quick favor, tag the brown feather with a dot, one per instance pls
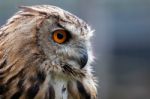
(28, 61)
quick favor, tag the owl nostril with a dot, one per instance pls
(83, 59)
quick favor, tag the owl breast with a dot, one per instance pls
(60, 87)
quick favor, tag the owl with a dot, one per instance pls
(45, 53)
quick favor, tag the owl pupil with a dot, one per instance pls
(60, 36)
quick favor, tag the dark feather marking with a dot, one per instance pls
(20, 84)
(13, 77)
(3, 34)
(3, 63)
(51, 92)
(32, 91)
(41, 76)
(26, 14)
(63, 89)
(67, 69)
(82, 90)
(9, 67)
(44, 13)
(2, 89)
(17, 95)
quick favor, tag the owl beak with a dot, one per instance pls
(83, 59)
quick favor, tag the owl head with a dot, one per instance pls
(60, 39)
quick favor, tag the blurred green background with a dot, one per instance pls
(121, 42)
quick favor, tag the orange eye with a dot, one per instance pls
(60, 36)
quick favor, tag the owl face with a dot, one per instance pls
(62, 38)
(64, 43)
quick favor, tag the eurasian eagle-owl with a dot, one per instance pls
(45, 53)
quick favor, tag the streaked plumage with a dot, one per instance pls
(33, 66)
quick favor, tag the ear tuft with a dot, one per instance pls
(27, 8)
